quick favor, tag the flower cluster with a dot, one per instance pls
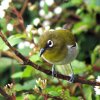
(9, 89)
(45, 16)
(4, 6)
(41, 85)
(23, 44)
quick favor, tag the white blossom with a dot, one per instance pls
(47, 27)
(5, 4)
(42, 13)
(32, 45)
(21, 45)
(97, 88)
(2, 13)
(27, 44)
(10, 27)
(29, 28)
(49, 15)
(57, 28)
(42, 2)
(36, 21)
(58, 10)
(40, 31)
(46, 23)
(49, 2)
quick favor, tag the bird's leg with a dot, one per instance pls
(53, 71)
(72, 75)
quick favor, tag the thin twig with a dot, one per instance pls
(26, 61)
(20, 18)
(24, 7)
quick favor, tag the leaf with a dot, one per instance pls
(17, 75)
(97, 97)
(27, 72)
(18, 87)
(95, 56)
(45, 8)
(36, 39)
(80, 27)
(93, 4)
(13, 40)
(25, 51)
(87, 92)
(54, 91)
(29, 85)
(35, 57)
(78, 66)
(6, 62)
(76, 2)
(26, 86)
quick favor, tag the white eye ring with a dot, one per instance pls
(50, 43)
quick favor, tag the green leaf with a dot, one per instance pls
(36, 39)
(78, 66)
(80, 27)
(97, 97)
(17, 75)
(26, 86)
(27, 72)
(76, 2)
(95, 56)
(87, 92)
(45, 8)
(93, 4)
(13, 40)
(29, 85)
(54, 91)
(18, 87)
(35, 57)
(25, 51)
(6, 62)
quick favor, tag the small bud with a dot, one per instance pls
(9, 89)
(41, 83)
(36, 89)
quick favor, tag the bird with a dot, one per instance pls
(58, 47)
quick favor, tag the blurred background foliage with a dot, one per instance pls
(23, 21)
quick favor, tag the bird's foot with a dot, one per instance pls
(72, 78)
(54, 73)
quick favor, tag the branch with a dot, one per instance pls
(24, 7)
(26, 61)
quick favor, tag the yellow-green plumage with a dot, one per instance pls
(59, 52)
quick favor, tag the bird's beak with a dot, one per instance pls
(42, 51)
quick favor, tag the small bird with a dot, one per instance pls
(58, 47)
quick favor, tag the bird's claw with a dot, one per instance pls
(53, 71)
(72, 78)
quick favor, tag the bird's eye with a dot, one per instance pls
(50, 43)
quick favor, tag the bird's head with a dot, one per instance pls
(52, 46)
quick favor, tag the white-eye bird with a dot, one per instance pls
(58, 47)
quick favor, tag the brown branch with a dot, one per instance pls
(20, 19)
(24, 7)
(26, 61)
(11, 55)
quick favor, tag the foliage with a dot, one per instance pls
(23, 22)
